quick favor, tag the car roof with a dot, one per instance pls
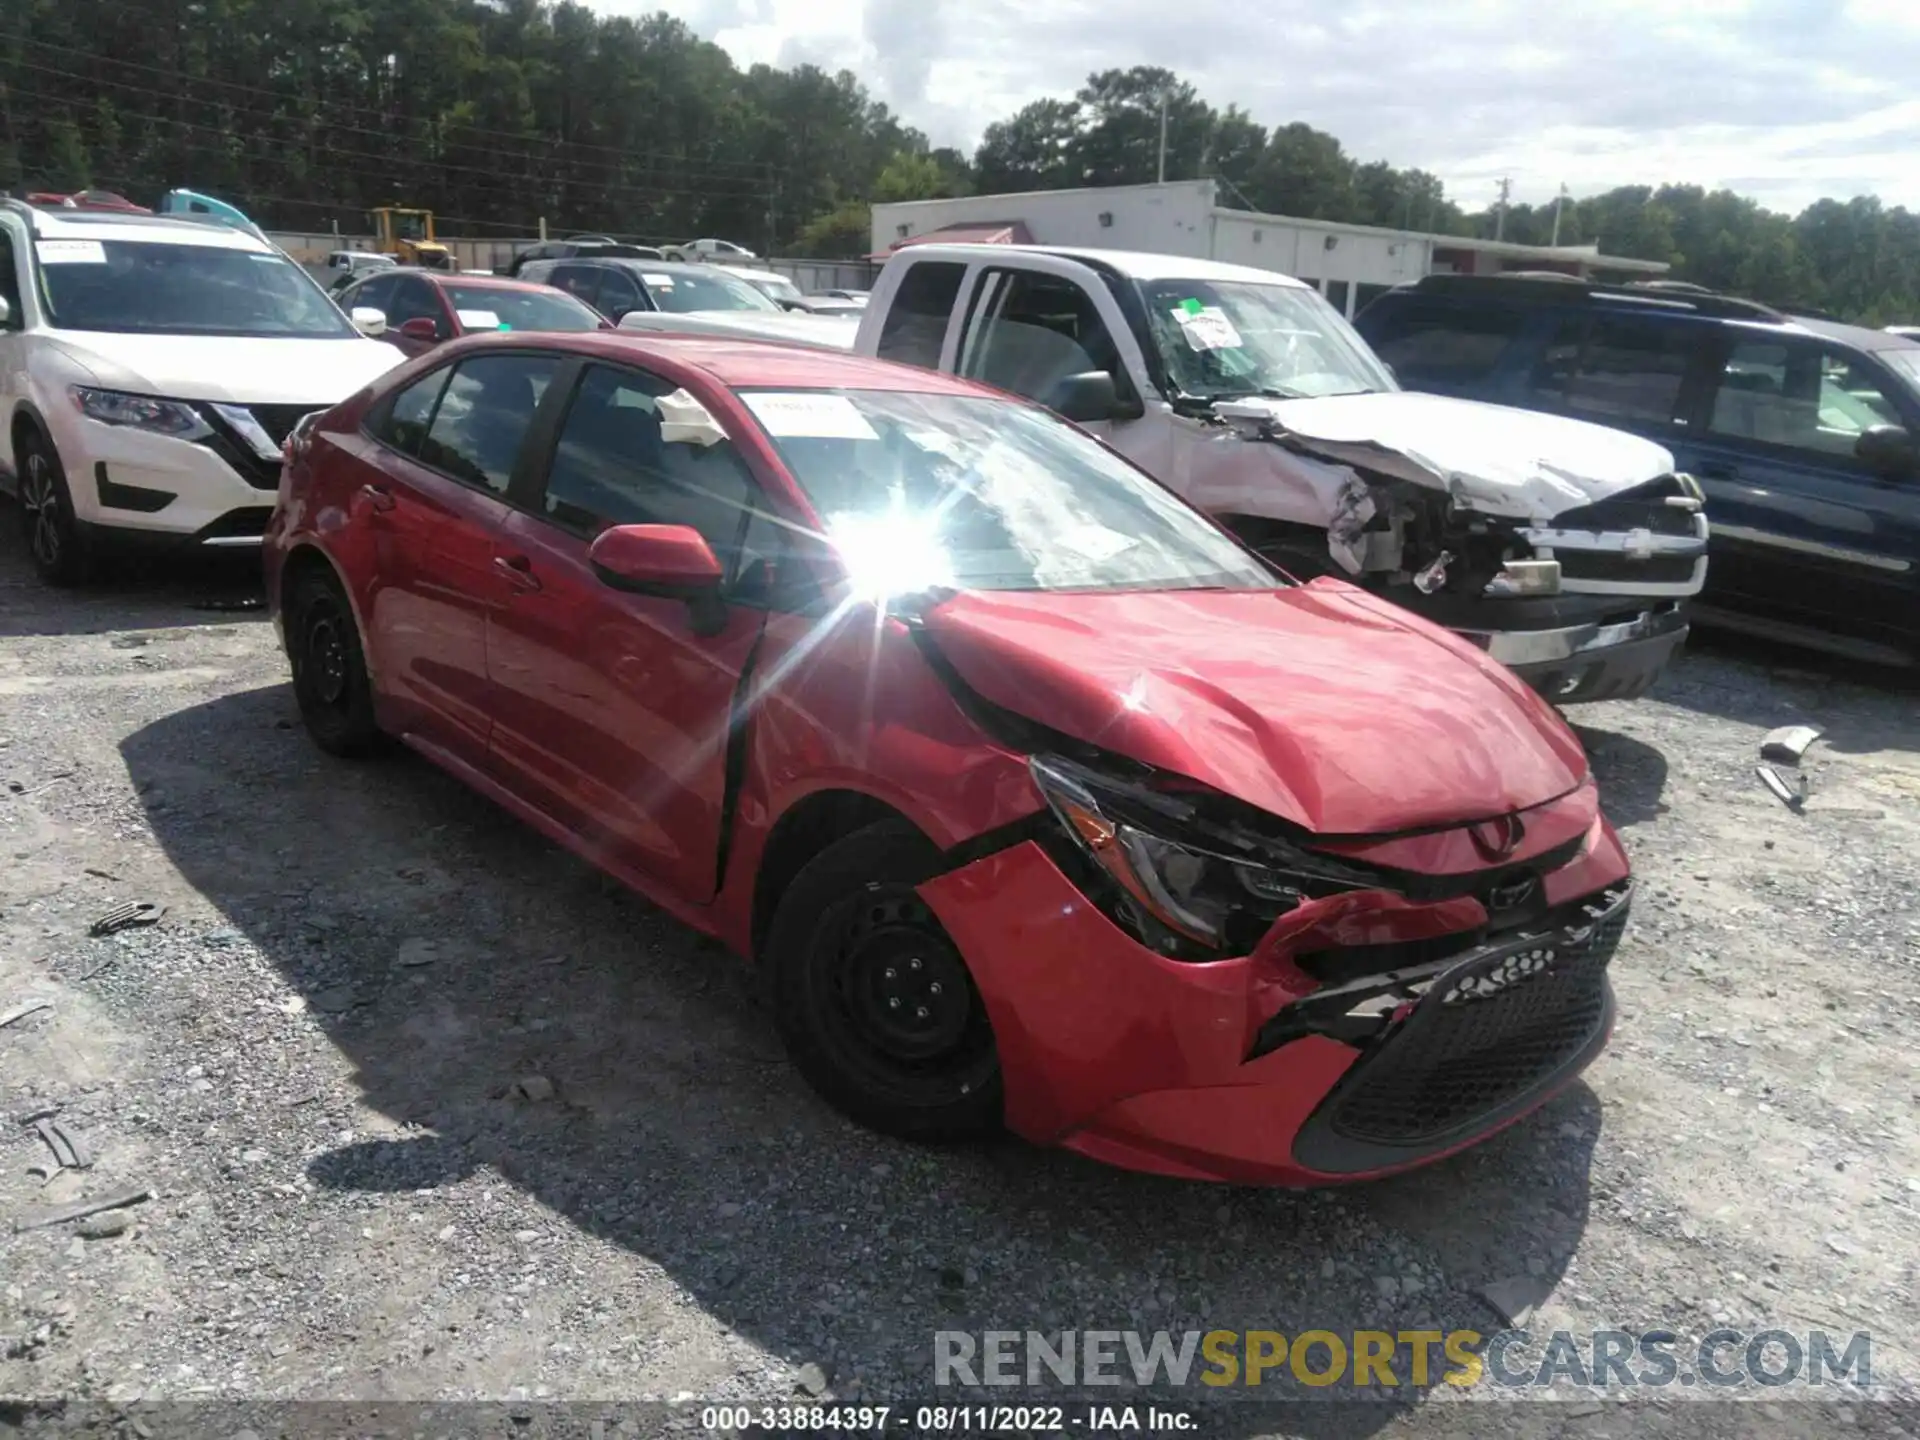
(652, 267)
(1860, 336)
(483, 281)
(1135, 264)
(751, 364)
(142, 229)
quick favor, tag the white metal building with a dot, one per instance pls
(1349, 263)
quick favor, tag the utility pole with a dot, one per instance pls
(1500, 213)
(1558, 201)
(1161, 174)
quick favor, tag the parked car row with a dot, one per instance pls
(1042, 800)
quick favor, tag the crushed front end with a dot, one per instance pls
(1182, 984)
(1577, 582)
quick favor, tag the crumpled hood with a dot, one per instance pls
(1491, 458)
(1321, 704)
(795, 327)
(232, 369)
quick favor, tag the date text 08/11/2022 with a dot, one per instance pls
(947, 1419)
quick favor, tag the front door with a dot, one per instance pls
(447, 450)
(612, 710)
(1804, 532)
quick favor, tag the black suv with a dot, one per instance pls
(577, 245)
(1802, 432)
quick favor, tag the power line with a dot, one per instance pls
(533, 162)
(604, 187)
(761, 168)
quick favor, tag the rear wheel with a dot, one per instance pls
(873, 998)
(47, 521)
(330, 679)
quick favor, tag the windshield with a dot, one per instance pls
(1904, 361)
(521, 309)
(924, 493)
(145, 288)
(778, 286)
(685, 291)
(1222, 339)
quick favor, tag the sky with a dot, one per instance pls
(1784, 100)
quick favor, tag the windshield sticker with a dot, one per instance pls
(809, 416)
(659, 282)
(1096, 542)
(71, 252)
(1206, 327)
(685, 421)
(479, 320)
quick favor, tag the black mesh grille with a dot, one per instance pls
(1486, 1033)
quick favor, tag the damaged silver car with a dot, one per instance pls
(1565, 550)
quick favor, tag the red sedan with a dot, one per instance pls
(1042, 801)
(418, 309)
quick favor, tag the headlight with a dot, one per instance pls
(141, 412)
(1213, 887)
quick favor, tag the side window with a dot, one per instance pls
(916, 323)
(414, 300)
(611, 467)
(618, 293)
(580, 281)
(404, 425)
(484, 415)
(1632, 369)
(1799, 395)
(376, 294)
(10, 283)
(1035, 332)
(1430, 344)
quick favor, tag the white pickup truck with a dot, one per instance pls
(1566, 550)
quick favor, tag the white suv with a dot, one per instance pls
(150, 367)
(716, 252)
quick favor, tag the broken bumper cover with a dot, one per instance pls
(1154, 1064)
(1611, 660)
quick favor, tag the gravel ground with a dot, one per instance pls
(430, 1110)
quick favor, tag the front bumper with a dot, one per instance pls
(1153, 1064)
(1615, 660)
(136, 490)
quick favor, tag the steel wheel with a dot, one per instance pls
(873, 998)
(330, 679)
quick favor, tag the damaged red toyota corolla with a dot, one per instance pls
(1042, 801)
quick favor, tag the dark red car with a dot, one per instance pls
(419, 309)
(1042, 801)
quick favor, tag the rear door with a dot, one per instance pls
(1804, 532)
(447, 448)
(613, 710)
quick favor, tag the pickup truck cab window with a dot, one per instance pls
(1030, 330)
(916, 323)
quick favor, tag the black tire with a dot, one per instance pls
(872, 997)
(330, 679)
(47, 522)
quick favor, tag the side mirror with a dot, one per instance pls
(1084, 398)
(368, 321)
(421, 328)
(793, 305)
(606, 324)
(1888, 450)
(670, 560)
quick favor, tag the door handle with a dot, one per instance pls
(378, 496)
(519, 571)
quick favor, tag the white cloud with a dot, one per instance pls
(1786, 100)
